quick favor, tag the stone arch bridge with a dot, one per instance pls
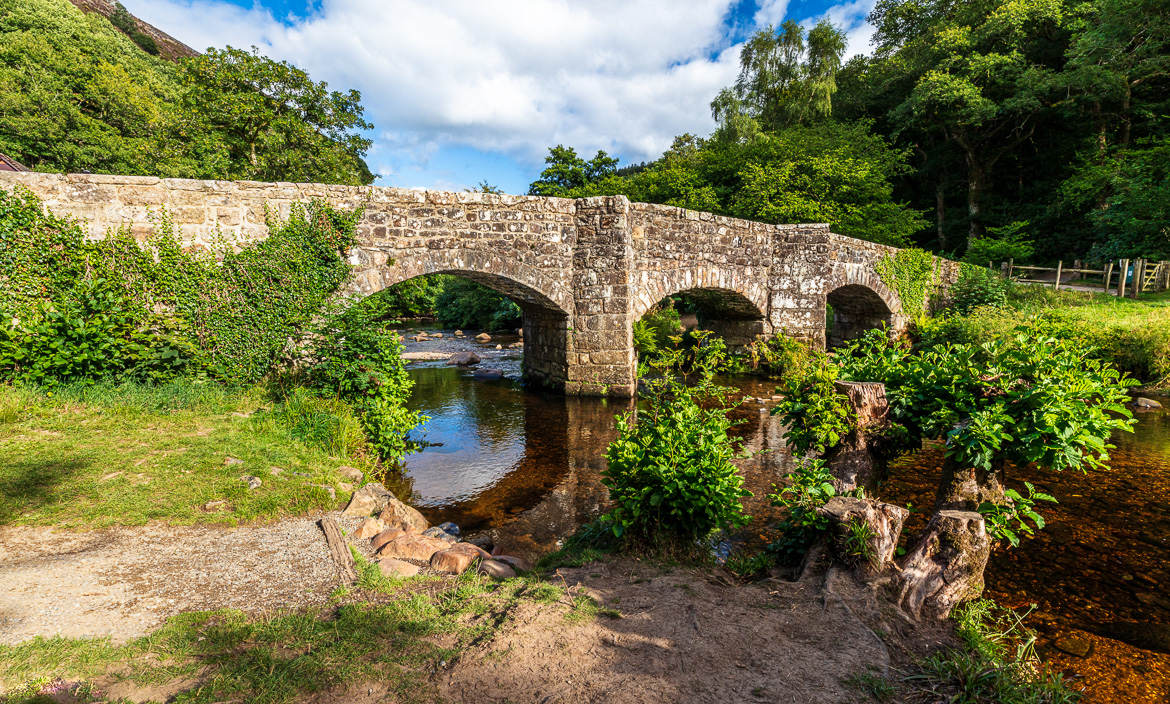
(583, 271)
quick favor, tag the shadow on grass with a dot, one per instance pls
(31, 485)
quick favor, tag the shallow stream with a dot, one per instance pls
(524, 466)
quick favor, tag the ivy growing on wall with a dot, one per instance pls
(239, 310)
(911, 274)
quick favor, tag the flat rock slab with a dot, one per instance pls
(124, 582)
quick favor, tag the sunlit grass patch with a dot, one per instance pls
(101, 455)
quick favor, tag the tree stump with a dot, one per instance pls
(945, 566)
(965, 489)
(864, 533)
(858, 461)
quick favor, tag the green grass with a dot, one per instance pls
(229, 657)
(102, 455)
(1134, 335)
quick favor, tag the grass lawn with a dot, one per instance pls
(88, 457)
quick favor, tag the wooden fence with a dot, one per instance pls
(1126, 276)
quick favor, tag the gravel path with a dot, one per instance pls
(124, 582)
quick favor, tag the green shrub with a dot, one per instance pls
(1001, 244)
(670, 474)
(811, 488)
(817, 415)
(654, 330)
(465, 304)
(979, 287)
(319, 421)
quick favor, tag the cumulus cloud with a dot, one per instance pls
(508, 76)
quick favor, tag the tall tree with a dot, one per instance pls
(565, 172)
(277, 123)
(787, 77)
(977, 75)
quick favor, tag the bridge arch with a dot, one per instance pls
(860, 301)
(546, 320)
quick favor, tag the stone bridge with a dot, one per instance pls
(583, 271)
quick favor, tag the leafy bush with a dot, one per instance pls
(653, 331)
(1002, 244)
(811, 488)
(669, 472)
(817, 415)
(465, 304)
(1018, 508)
(977, 287)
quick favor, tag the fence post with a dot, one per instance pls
(1121, 282)
(1108, 276)
(1163, 281)
(1139, 277)
(1011, 265)
(1059, 265)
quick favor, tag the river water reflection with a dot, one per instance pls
(524, 467)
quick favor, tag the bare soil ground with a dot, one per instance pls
(674, 635)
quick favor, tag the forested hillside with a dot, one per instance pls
(77, 94)
(1038, 122)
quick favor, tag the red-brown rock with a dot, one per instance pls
(457, 558)
(412, 546)
(384, 536)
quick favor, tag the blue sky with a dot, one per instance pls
(462, 91)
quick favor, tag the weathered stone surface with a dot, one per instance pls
(457, 558)
(392, 568)
(518, 563)
(251, 481)
(351, 473)
(582, 271)
(483, 337)
(384, 536)
(1143, 402)
(232, 460)
(412, 546)
(492, 568)
(489, 374)
(449, 527)
(368, 529)
(463, 359)
(441, 534)
(398, 515)
(361, 503)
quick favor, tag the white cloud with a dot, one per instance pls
(513, 76)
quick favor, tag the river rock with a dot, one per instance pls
(351, 473)
(436, 334)
(1074, 644)
(384, 536)
(368, 529)
(458, 333)
(412, 546)
(516, 346)
(1143, 402)
(457, 558)
(252, 482)
(437, 532)
(483, 337)
(499, 347)
(449, 527)
(392, 568)
(371, 498)
(398, 515)
(518, 563)
(464, 359)
(495, 569)
(488, 374)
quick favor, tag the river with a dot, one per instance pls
(524, 466)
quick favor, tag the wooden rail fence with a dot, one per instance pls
(1127, 276)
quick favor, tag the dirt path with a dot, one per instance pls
(124, 582)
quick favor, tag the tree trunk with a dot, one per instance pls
(870, 548)
(858, 460)
(1126, 119)
(940, 212)
(964, 489)
(976, 180)
(945, 566)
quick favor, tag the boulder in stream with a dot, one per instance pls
(466, 358)
(1143, 402)
(489, 374)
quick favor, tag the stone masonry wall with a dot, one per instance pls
(581, 270)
